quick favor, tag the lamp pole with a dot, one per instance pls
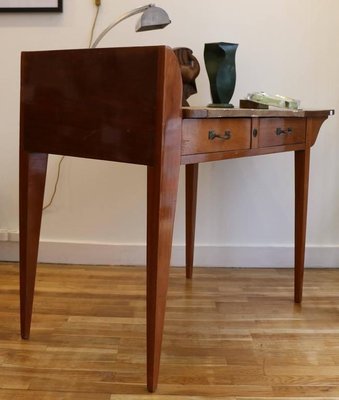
(120, 19)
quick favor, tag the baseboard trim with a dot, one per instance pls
(205, 255)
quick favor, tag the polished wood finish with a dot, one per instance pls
(209, 112)
(96, 104)
(196, 139)
(162, 187)
(191, 210)
(230, 334)
(305, 125)
(243, 103)
(281, 131)
(224, 155)
(197, 122)
(78, 103)
(302, 165)
(277, 131)
(33, 168)
(93, 104)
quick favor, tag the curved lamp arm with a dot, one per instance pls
(120, 19)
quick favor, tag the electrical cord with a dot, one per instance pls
(56, 184)
(98, 4)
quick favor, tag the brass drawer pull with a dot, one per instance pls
(212, 135)
(280, 131)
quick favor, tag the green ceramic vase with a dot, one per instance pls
(220, 66)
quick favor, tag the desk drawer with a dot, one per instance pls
(281, 131)
(214, 135)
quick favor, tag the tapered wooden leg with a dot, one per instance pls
(191, 209)
(32, 184)
(161, 201)
(302, 163)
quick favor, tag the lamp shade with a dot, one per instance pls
(152, 18)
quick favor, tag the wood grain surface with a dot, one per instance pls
(229, 333)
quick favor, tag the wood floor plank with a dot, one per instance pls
(49, 395)
(231, 334)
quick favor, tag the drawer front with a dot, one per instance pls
(281, 131)
(215, 135)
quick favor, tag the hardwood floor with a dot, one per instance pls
(229, 333)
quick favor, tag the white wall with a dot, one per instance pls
(245, 209)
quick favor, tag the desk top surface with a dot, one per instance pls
(207, 112)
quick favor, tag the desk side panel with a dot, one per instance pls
(96, 103)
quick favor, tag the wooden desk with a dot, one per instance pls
(125, 105)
